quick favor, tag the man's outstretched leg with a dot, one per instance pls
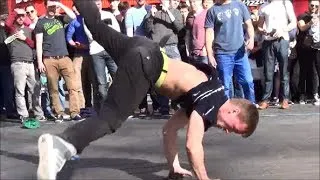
(178, 121)
(129, 87)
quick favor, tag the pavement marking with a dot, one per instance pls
(291, 114)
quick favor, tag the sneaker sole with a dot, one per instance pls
(45, 147)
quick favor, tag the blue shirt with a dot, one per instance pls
(227, 21)
(76, 32)
(134, 19)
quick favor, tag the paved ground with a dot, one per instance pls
(285, 146)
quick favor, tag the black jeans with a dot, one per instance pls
(138, 69)
(272, 51)
(317, 63)
(307, 59)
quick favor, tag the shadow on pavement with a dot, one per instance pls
(139, 168)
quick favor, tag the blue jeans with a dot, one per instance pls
(46, 102)
(100, 88)
(172, 51)
(6, 91)
(238, 65)
(272, 51)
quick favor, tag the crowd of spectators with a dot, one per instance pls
(263, 52)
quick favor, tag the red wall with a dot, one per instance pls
(41, 10)
(300, 6)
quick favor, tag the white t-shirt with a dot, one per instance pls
(95, 47)
(315, 29)
(276, 16)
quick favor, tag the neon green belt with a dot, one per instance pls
(164, 70)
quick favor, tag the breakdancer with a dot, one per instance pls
(143, 65)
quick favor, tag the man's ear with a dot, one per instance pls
(236, 110)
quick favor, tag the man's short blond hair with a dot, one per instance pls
(248, 114)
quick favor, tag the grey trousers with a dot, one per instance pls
(24, 74)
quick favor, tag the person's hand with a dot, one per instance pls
(54, 3)
(20, 36)
(212, 61)
(264, 32)
(41, 67)
(249, 44)
(278, 33)
(165, 8)
(79, 45)
(20, 11)
(153, 10)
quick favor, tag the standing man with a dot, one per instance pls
(22, 64)
(7, 108)
(32, 14)
(77, 38)
(103, 64)
(52, 56)
(134, 19)
(273, 24)
(226, 46)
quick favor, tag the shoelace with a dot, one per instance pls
(60, 160)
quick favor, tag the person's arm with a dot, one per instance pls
(194, 146)
(39, 41)
(9, 22)
(209, 26)
(248, 26)
(303, 26)
(291, 17)
(115, 24)
(129, 23)
(27, 40)
(87, 31)
(176, 20)
(67, 10)
(148, 20)
(261, 24)
(209, 47)
(70, 32)
(250, 32)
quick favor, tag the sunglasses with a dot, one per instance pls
(315, 6)
(29, 12)
(21, 15)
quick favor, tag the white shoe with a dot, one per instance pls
(53, 154)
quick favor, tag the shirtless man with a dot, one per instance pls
(141, 65)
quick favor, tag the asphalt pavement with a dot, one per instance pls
(284, 146)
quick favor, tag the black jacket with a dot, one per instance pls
(4, 58)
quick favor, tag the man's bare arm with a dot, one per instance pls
(250, 31)
(67, 10)
(39, 41)
(260, 25)
(194, 146)
(209, 41)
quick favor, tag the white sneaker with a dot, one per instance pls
(53, 153)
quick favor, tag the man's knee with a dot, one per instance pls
(112, 117)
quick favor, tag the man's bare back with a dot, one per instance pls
(188, 78)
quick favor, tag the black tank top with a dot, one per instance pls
(206, 98)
